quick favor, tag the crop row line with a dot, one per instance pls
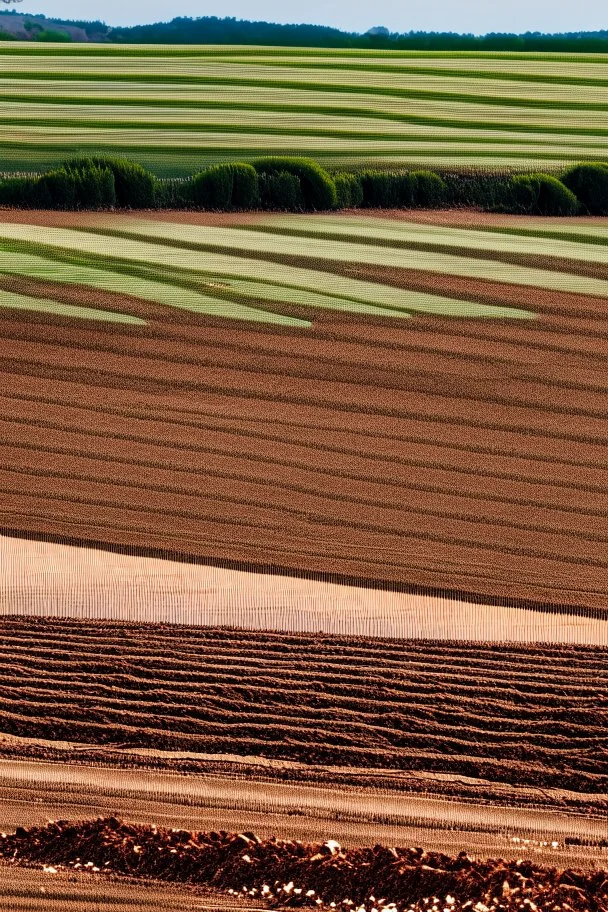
(204, 420)
(267, 343)
(41, 360)
(584, 663)
(198, 674)
(316, 131)
(585, 732)
(320, 516)
(544, 672)
(337, 736)
(251, 478)
(551, 691)
(114, 379)
(394, 376)
(164, 78)
(262, 104)
(220, 641)
(384, 66)
(347, 733)
(286, 741)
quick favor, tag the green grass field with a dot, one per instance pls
(176, 109)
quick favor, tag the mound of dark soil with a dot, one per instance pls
(285, 872)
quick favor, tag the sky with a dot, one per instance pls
(476, 16)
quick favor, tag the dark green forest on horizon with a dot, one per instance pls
(213, 30)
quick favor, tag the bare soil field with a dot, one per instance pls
(444, 455)
(530, 716)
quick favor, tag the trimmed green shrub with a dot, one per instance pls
(233, 185)
(67, 187)
(281, 190)
(430, 190)
(541, 194)
(349, 192)
(95, 185)
(134, 186)
(379, 189)
(212, 188)
(388, 190)
(95, 188)
(317, 187)
(18, 191)
(589, 183)
(406, 189)
(477, 189)
(56, 190)
(245, 186)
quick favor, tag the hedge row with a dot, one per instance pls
(299, 184)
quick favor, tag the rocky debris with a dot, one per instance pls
(292, 873)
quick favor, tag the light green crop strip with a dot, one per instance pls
(222, 266)
(223, 239)
(22, 263)
(369, 230)
(46, 305)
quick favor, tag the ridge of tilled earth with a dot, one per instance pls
(293, 873)
(527, 716)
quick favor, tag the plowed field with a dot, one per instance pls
(528, 716)
(452, 454)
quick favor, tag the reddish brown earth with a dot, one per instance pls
(529, 715)
(455, 455)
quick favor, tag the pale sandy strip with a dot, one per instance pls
(44, 579)
(33, 792)
(29, 889)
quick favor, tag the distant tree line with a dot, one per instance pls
(212, 30)
(229, 30)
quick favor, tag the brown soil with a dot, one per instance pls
(316, 873)
(454, 455)
(331, 701)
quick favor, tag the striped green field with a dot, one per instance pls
(176, 109)
(223, 271)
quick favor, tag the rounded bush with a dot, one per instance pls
(245, 186)
(477, 189)
(281, 190)
(318, 188)
(380, 189)
(406, 189)
(212, 188)
(589, 183)
(57, 190)
(22, 192)
(429, 190)
(542, 194)
(134, 185)
(402, 190)
(95, 186)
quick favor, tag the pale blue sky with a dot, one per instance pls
(477, 16)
